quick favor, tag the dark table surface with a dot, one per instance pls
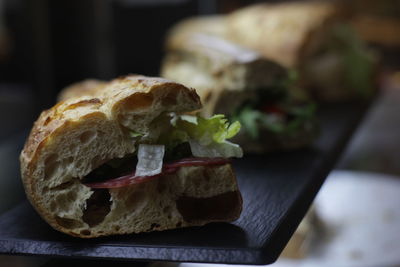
(277, 191)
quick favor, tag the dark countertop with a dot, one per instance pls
(374, 147)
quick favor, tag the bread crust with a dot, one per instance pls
(228, 73)
(99, 101)
(214, 25)
(284, 32)
(297, 35)
(81, 133)
(220, 68)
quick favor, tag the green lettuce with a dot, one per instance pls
(135, 134)
(249, 118)
(214, 129)
(293, 116)
(254, 120)
(207, 136)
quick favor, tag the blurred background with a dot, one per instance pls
(46, 45)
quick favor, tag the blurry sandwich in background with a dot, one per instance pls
(246, 87)
(309, 37)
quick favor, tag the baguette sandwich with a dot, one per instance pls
(126, 158)
(245, 86)
(314, 38)
(311, 37)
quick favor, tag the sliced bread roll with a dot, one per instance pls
(284, 32)
(224, 74)
(80, 134)
(212, 25)
(242, 84)
(313, 37)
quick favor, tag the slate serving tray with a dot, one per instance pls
(277, 190)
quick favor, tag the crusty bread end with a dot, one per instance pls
(81, 133)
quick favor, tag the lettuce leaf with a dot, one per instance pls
(225, 149)
(215, 129)
(249, 118)
(209, 133)
(135, 134)
(254, 120)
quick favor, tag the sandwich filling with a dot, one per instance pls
(279, 110)
(175, 141)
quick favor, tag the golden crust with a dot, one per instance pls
(210, 25)
(49, 125)
(119, 90)
(281, 31)
(132, 87)
(51, 120)
(220, 67)
(104, 104)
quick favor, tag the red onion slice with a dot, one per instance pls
(168, 168)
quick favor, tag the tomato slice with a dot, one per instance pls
(273, 109)
(168, 168)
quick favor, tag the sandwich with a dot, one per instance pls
(245, 86)
(315, 39)
(212, 25)
(129, 158)
(312, 38)
(89, 87)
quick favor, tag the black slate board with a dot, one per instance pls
(277, 190)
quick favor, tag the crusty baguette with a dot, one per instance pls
(299, 35)
(285, 32)
(221, 71)
(294, 34)
(87, 87)
(303, 35)
(226, 76)
(81, 133)
(211, 25)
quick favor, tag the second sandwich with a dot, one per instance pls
(245, 86)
